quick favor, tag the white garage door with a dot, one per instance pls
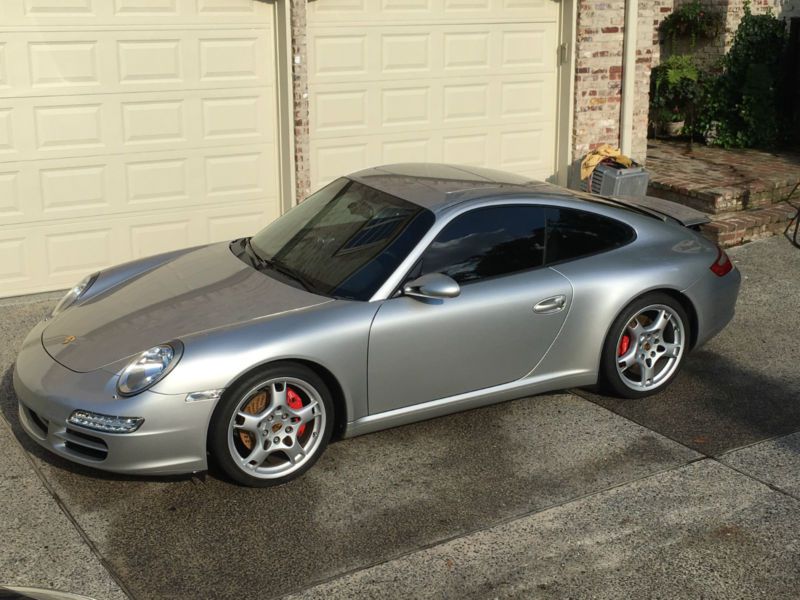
(459, 81)
(130, 127)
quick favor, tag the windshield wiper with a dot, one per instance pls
(289, 272)
(259, 262)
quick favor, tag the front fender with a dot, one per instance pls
(334, 335)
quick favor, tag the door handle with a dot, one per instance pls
(551, 305)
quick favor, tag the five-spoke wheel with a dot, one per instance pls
(645, 346)
(273, 426)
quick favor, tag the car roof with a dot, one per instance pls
(438, 186)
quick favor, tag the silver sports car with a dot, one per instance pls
(392, 295)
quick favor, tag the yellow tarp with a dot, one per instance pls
(596, 156)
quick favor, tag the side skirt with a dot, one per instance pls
(469, 400)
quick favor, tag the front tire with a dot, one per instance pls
(645, 347)
(272, 426)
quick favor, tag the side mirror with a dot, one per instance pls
(432, 285)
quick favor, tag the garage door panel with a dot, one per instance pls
(122, 12)
(524, 150)
(143, 63)
(3, 65)
(407, 106)
(225, 226)
(159, 181)
(528, 99)
(341, 110)
(67, 189)
(50, 127)
(65, 63)
(372, 11)
(408, 150)
(465, 102)
(13, 264)
(378, 108)
(131, 127)
(430, 51)
(56, 255)
(7, 145)
(135, 60)
(471, 149)
(10, 198)
(238, 175)
(531, 48)
(463, 81)
(149, 182)
(403, 52)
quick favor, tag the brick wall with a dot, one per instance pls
(300, 97)
(598, 76)
(598, 73)
(709, 52)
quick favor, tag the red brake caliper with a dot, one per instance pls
(294, 402)
(624, 344)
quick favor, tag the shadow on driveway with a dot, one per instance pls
(715, 405)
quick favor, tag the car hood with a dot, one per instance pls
(204, 289)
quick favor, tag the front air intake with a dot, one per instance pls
(84, 445)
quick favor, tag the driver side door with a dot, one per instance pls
(506, 317)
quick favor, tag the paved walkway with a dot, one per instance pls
(694, 492)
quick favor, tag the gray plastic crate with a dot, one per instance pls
(610, 181)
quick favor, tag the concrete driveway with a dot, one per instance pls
(691, 493)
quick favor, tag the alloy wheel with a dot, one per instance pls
(276, 428)
(650, 347)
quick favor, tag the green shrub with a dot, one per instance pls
(742, 107)
(691, 20)
(673, 90)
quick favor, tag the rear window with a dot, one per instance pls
(574, 233)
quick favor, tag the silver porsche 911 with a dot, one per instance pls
(392, 295)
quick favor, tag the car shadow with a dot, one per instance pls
(714, 405)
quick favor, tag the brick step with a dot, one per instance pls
(718, 200)
(734, 228)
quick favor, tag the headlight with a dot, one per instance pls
(72, 296)
(148, 368)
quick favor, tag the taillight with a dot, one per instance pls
(723, 265)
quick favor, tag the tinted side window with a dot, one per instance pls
(487, 242)
(575, 233)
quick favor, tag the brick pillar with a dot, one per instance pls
(598, 73)
(300, 97)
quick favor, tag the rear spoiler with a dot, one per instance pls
(688, 217)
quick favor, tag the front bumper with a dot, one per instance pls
(171, 440)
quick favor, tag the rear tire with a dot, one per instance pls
(645, 347)
(272, 426)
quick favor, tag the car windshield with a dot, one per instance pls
(344, 240)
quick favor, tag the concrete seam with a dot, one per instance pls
(777, 436)
(771, 486)
(584, 396)
(499, 523)
(716, 457)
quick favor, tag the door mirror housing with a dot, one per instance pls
(432, 285)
